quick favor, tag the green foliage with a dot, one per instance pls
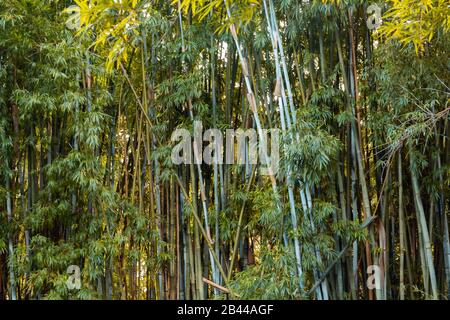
(90, 92)
(312, 156)
(272, 278)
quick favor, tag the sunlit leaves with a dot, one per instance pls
(242, 11)
(113, 22)
(416, 22)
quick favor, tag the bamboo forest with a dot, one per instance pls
(224, 150)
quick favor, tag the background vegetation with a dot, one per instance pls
(91, 91)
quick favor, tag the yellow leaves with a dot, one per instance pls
(117, 54)
(208, 8)
(336, 3)
(199, 8)
(242, 10)
(415, 21)
(430, 36)
(115, 23)
(331, 1)
(83, 11)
